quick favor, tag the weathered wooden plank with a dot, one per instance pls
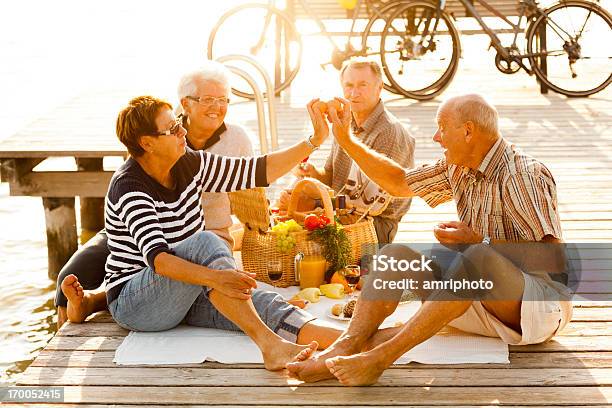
(286, 406)
(339, 396)
(84, 358)
(63, 184)
(259, 377)
(91, 329)
(560, 343)
(592, 315)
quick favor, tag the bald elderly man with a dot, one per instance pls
(507, 236)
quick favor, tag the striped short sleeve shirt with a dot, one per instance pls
(144, 219)
(510, 197)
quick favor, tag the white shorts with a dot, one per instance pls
(540, 319)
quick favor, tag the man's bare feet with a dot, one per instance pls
(359, 369)
(278, 357)
(79, 302)
(312, 369)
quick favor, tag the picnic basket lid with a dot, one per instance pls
(251, 207)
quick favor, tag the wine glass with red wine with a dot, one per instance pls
(352, 274)
(275, 271)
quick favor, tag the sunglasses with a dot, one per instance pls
(174, 130)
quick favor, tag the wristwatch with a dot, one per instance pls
(486, 240)
(310, 144)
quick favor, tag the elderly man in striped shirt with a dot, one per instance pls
(502, 196)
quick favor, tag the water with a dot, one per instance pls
(26, 305)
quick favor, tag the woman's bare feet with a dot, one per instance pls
(279, 355)
(312, 369)
(359, 369)
(79, 302)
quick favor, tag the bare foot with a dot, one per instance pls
(359, 369)
(312, 369)
(79, 302)
(278, 357)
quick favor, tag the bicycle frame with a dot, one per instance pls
(495, 41)
(323, 30)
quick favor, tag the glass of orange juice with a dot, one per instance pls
(312, 271)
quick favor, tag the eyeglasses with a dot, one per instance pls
(174, 130)
(210, 100)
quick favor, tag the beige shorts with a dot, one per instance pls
(540, 319)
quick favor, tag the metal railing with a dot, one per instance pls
(259, 97)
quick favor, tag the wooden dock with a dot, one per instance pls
(572, 136)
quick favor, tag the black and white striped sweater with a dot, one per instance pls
(143, 218)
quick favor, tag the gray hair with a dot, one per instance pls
(476, 109)
(361, 62)
(210, 71)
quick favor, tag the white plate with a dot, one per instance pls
(333, 316)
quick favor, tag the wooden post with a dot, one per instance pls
(92, 209)
(60, 220)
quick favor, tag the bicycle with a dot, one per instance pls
(574, 30)
(279, 32)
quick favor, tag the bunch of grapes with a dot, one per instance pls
(284, 241)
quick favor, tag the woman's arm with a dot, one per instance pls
(233, 283)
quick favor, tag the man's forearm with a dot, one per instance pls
(380, 169)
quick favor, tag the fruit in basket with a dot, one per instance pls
(309, 294)
(311, 222)
(349, 308)
(284, 241)
(332, 290)
(314, 221)
(337, 309)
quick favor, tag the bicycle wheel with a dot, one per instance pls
(420, 50)
(379, 14)
(376, 23)
(577, 50)
(255, 30)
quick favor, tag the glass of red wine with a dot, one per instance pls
(352, 274)
(275, 271)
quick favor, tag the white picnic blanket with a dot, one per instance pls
(188, 344)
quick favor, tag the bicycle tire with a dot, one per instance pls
(366, 32)
(292, 31)
(532, 47)
(438, 85)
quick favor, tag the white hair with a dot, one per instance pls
(210, 71)
(476, 109)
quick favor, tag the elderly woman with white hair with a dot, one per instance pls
(204, 98)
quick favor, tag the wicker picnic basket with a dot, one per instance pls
(259, 243)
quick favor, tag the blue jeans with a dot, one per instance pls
(151, 302)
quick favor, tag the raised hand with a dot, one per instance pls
(319, 124)
(341, 120)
